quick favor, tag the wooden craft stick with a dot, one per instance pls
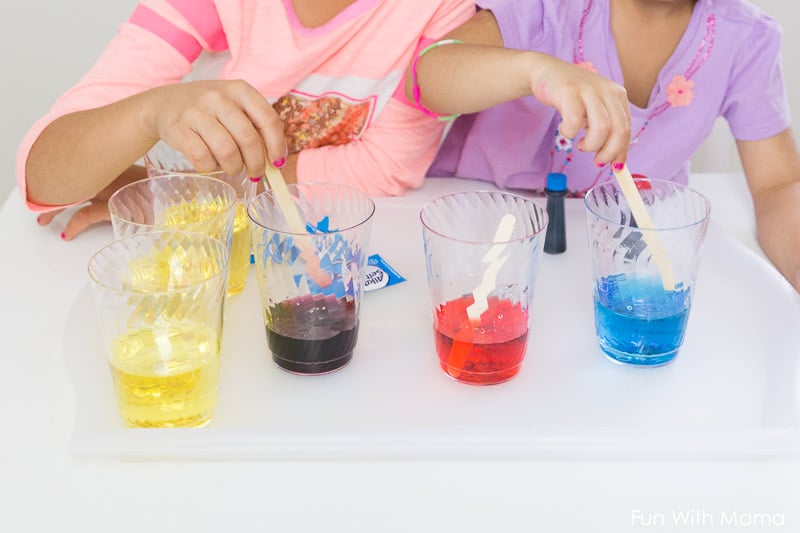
(643, 220)
(296, 225)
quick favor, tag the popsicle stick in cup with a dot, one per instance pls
(480, 303)
(296, 225)
(643, 220)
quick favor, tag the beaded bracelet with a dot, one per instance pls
(416, 83)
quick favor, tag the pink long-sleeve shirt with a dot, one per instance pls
(338, 87)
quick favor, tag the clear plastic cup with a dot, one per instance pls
(482, 251)
(640, 317)
(312, 323)
(159, 299)
(175, 202)
(162, 159)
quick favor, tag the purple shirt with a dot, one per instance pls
(726, 64)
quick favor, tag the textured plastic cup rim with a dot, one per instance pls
(291, 186)
(114, 212)
(614, 184)
(151, 235)
(218, 174)
(148, 162)
(542, 211)
(191, 173)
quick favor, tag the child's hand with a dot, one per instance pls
(218, 124)
(585, 100)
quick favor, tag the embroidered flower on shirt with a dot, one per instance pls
(587, 65)
(563, 144)
(680, 91)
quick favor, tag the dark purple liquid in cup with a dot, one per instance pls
(312, 334)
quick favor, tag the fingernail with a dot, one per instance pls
(39, 219)
(618, 166)
(255, 179)
(63, 236)
(279, 163)
(600, 164)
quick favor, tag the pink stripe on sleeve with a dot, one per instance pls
(203, 16)
(181, 41)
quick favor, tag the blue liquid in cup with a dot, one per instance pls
(638, 322)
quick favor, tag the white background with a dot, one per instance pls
(49, 44)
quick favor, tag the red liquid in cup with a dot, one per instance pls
(486, 353)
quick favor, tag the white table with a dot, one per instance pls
(45, 487)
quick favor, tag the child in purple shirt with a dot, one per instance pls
(683, 63)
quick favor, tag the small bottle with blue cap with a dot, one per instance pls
(555, 241)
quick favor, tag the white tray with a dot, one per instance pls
(733, 391)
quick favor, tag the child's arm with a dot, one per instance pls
(476, 75)
(772, 168)
(81, 153)
(96, 208)
(131, 97)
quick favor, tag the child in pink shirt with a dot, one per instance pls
(317, 84)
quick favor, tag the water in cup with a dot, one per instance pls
(312, 335)
(488, 352)
(175, 391)
(637, 320)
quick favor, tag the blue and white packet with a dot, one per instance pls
(379, 274)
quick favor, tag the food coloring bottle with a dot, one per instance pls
(555, 241)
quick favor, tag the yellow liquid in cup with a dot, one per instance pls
(193, 213)
(167, 377)
(240, 253)
(169, 269)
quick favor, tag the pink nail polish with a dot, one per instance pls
(63, 236)
(618, 166)
(255, 179)
(39, 219)
(600, 164)
(279, 163)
